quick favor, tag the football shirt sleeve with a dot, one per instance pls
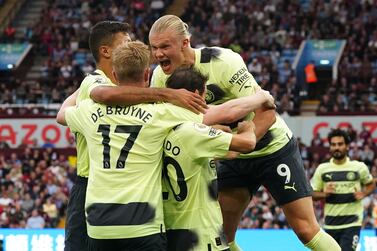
(203, 141)
(159, 78)
(365, 176)
(74, 117)
(238, 79)
(316, 181)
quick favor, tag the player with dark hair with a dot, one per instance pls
(192, 213)
(342, 183)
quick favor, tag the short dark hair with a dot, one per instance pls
(187, 78)
(102, 33)
(339, 133)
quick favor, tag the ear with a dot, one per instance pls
(185, 43)
(115, 77)
(147, 73)
(105, 51)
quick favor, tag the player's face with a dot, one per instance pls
(338, 147)
(167, 50)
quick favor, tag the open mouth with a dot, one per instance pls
(165, 65)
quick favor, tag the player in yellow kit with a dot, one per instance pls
(274, 163)
(342, 183)
(192, 213)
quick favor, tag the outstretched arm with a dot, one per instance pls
(130, 95)
(70, 101)
(236, 109)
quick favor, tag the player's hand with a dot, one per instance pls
(188, 100)
(269, 102)
(223, 128)
(359, 195)
(330, 188)
(232, 155)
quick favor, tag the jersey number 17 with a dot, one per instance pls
(132, 130)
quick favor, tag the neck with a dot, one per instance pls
(189, 55)
(340, 161)
(107, 68)
(135, 84)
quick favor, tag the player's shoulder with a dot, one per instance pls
(164, 106)
(158, 73)
(191, 126)
(357, 163)
(217, 54)
(85, 103)
(94, 77)
(323, 165)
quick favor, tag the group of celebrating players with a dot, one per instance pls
(153, 175)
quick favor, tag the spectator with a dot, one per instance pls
(317, 140)
(51, 210)
(35, 220)
(48, 144)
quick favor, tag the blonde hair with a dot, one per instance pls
(130, 61)
(170, 23)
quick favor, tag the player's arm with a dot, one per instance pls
(367, 181)
(368, 189)
(241, 83)
(236, 109)
(244, 141)
(70, 101)
(320, 195)
(319, 192)
(263, 120)
(130, 95)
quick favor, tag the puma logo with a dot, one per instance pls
(290, 187)
(329, 176)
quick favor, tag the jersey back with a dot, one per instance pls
(125, 146)
(189, 183)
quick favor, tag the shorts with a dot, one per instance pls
(347, 238)
(281, 172)
(188, 240)
(76, 237)
(154, 242)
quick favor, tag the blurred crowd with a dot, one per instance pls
(61, 36)
(34, 188)
(266, 33)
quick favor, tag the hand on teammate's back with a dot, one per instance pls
(270, 101)
(188, 100)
